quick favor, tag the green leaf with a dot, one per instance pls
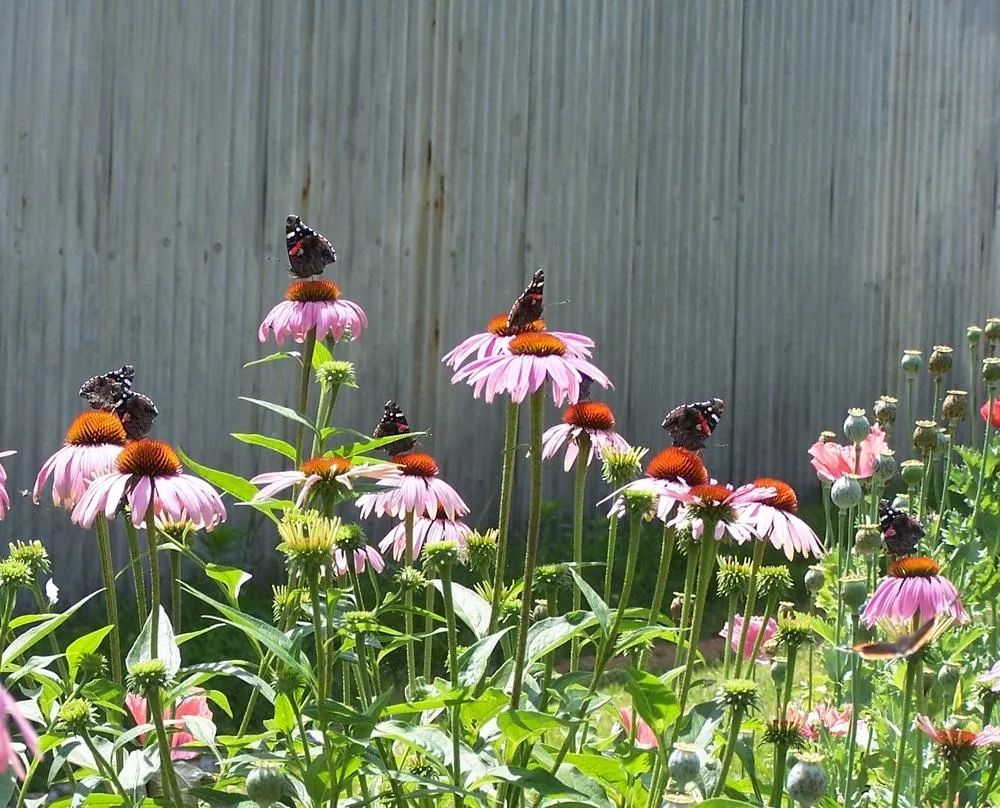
(470, 608)
(230, 579)
(274, 444)
(553, 791)
(86, 644)
(166, 645)
(352, 450)
(203, 731)
(23, 642)
(596, 602)
(518, 726)
(284, 412)
(232, 484)
(654, 701)
(473, 662)
(321, 354)
(607, 770)
(548, 634)
(725, 802)
(275, 357)
(284, 716)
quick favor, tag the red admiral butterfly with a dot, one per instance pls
(690, 425)
(900, 531)
(394, 423)
(308, 251)
(528, 306)
(901, 648)
(112, 392)
(137, 414)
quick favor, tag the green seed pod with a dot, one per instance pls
(807, 781)
(854, 592)
(911, 363)
(684, 764)
(265, 784)
(940, 362)
(846, 492)
(856, 426)
(814, 579)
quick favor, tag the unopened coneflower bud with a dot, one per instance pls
(350, 537)
(912, 471)
(265, 783)
(677, 606)
(75, 716)
(774, 580)
(856, 426)
(732, 576)
(684, 763)
(32, 554)
(15, 575)
(884, 466)
(807, 780)
(991, 371)
(481, 552)
(973, 334)
(92, 665)
(794, 629)
(814, 579)
(336, 373)
(778, 669)
(826, 436)
(360, 621)
(885, 410)
(867, 538)
(846, 492)
(640, 502)
(510, 610)
(854, 591)
(940, 362)
(911, 362)
(553, 575)
(148, 676)
(410, 579)
(439, 556)
(992, 329)
(287, 680)
(621, 466)
(948, 675)
(785, 733)
(956, 405)
(308, 538)
(925, 436)
(737, 694)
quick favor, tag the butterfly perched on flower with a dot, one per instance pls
(900, 531)
(902, 647)
(690, 425)
(308, 251)
(112, 392)
(529, 304)
(394, 423)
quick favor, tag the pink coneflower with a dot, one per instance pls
(150, 471)
(726, 508)
(994, 416)
(309, 305)
(93, 442)
(732, 633)
(991, 678)
(4, 498)
(425, 531)
(914, 587)
(9, 758)
(417, 490)
(331, 470)
(496, 340)
(644, 735)
(832, 460)
(591, 418)
(775, 520)
(958, 745)
(534, 358)
(834, 721)
(194, 706)
(671, 470)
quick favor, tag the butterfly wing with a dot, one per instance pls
(900, 532)
(529, 305)
(308, 251)
(902, 647)
(137, 414)
(690, 425)
(108, 390)
(394, 423)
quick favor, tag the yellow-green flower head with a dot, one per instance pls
(773, 580)
(481, 552)
(733, 576)
(15, 574)
(738, 694)
(32, 554)
(336, 373)
(621, 466)
(75, 716)
(308, 538)
(794, 629)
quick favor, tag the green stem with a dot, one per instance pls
(428, 631)
(307, 357)
(28, 777)
(531, 546)
(138, 577)
(579, 495)
(297, 711)
(456, 726)
(609, 564)
(411, 653)
(852, 728)
(322, 669)
(552, 607)
(506, 490)
(709, 548)
(953, 772)
(786, 696)
(727, 758)
(991, 395)
(904, 727)
(105, 768)
(110, 596)
(973, 385)
(322, 416)
(943, 510)
(667, 544)
(769, 609)
(828, 519)
(987, 789)
(751, 603)
(778, 784)
(910, 414)
(690, 576)
(154, 580)
(175, 591)
(925, 486)
(163, 744)
(727, 651)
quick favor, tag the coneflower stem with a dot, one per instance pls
(503, 525)
(735, 720)
(106, 769)
(609, 564)
(990, 396)
(456, 724)
(708, 549)
(667, 544)
(728, 650)
(307, 358)
(138, 577)
(411, 653)
(110, 595)
(904, 726)
(987, 789)
(690, 576)
(852, 727)
(973, 364)
(758, 557)
(428, 631)
(579, 494)
(175, 591)
(163, 744)
(769, 609)
(778, 783)
(786, 695)
(531, 545)
(154, 579)
(953, 772)
(552, 608)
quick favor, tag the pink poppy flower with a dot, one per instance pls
(534, 359)
(9, 757)
(725, 507)
(194, 706)
(775, 520)
(836, 722)
(425, 531)
(150, 471)
(4, 497)
(644, 735)
(496, 340)
(363, 557)
(591, 418)
(313, 305)
(914, 587)
(319, 471)
(958, 744)
(93, 443)
(417, 490)
(732, 634)
(993, 416)
(832, 460)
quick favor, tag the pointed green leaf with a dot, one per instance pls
(470, 608)
(275, 357)
(39, 632)
(278, 409)
(230, 579)
(653, 700)
(596, 602)
(473, 662)
(278, 445)
(166, 645)
(81, 646)
(232, 484)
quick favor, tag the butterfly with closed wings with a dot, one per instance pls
(112, 392)
(529, 304)
(308, 251)
(394, 423)
(690, 425)
(900, 531)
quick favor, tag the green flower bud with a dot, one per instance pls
(32, 554)
(684, 764)
(92, 666)
(307, 539)
(553, 575)
(148, 676)
(846, 492)
(783, 733)
(481, 552)
(336, 372)
(856, 426)
(439, 556)
(973, 334)
(15, 574)
(640, 502)
(410, 579)
(794, 629)
(265, 783)
(778, 669)
(75, 716)
(359, 622)
(911, 363)
(350, 537)
(773, 580)
(732, 576)
(738, 694)
(621, 466)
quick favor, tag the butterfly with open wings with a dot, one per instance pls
(112, 392)
(308, 251)
(903, 647)
(690, 425)
(900, 531)
(394, 423)
(529, 304)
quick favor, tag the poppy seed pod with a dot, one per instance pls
(925, 436)
(856, 426)
(885, 410)
(814, 579)
(779, 667)
(826, 436)
(991, 371)
(973, 334)
(846, 492)
(901, 502)
(684, 763)
(912, 471)
(992, 330)
(911, 362)
(940, 361)
(955, 406)
(948, 675)
(807, 780)
(855, 591)
(867, 539)
(884, 466)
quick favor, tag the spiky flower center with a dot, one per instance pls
(498, 327)
(326, 467)
(675, 463)
(711, 493)
(312, 292)
(914, 567)
(416, 464)
(535, 343)
(149, 458)
(590, 415)
(95, 427)
(784, 498)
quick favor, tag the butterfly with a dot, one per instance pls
(690, 425)
(137, 413)
(528, 306)
(394, 423)
(109, 390)
(308, 251)
(586, 382)
(902, 647)
(900, 531)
